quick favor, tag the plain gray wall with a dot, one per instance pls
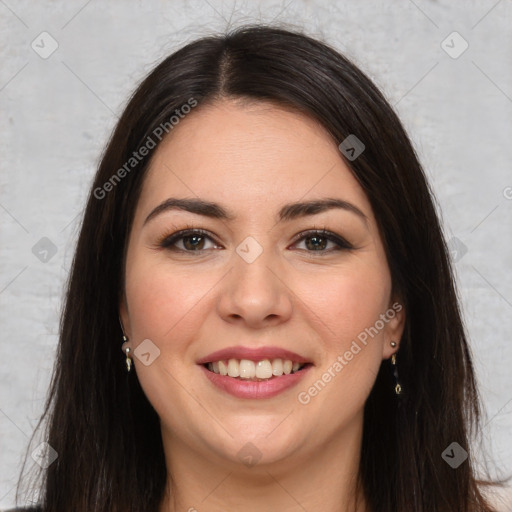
(58, 111)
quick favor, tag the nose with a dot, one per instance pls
(255, 294)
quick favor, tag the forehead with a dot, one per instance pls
(248, 155)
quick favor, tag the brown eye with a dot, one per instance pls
(190, 240)
(317, 241)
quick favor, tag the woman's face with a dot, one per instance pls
(249, 281)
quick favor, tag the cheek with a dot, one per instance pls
(160, 299)
(165, 306)
(348, 305)
(350, 301)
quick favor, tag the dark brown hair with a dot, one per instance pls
(106, 433)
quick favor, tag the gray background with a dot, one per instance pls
(58, 112)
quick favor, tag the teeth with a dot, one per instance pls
(223, 368)
(277, 367)
(233, 368)
(264, 369)
(246, 369)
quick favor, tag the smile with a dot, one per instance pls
(249, 385)
(246, 369)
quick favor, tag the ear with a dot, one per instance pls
(394, 328)
(124, 316)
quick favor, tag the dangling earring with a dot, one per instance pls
(398, 387)
(128, 359)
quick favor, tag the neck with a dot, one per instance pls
(310, 478)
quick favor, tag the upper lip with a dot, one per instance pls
(253, 354)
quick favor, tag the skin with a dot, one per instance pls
(252, 158)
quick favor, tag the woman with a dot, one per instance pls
(261, 244)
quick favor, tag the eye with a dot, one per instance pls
(318, 240)
(192, 240)
(195, 240)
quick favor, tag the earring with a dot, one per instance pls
(398, 387)
(128, 359)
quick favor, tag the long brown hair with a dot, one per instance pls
(106, 433)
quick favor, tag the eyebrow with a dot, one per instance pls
(288, 212)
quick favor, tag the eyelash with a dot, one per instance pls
(167, 241)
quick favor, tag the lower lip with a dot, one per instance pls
(258, 390)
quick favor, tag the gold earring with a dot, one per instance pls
(398, 387)
(128, 359)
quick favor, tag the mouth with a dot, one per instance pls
(256, 371)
